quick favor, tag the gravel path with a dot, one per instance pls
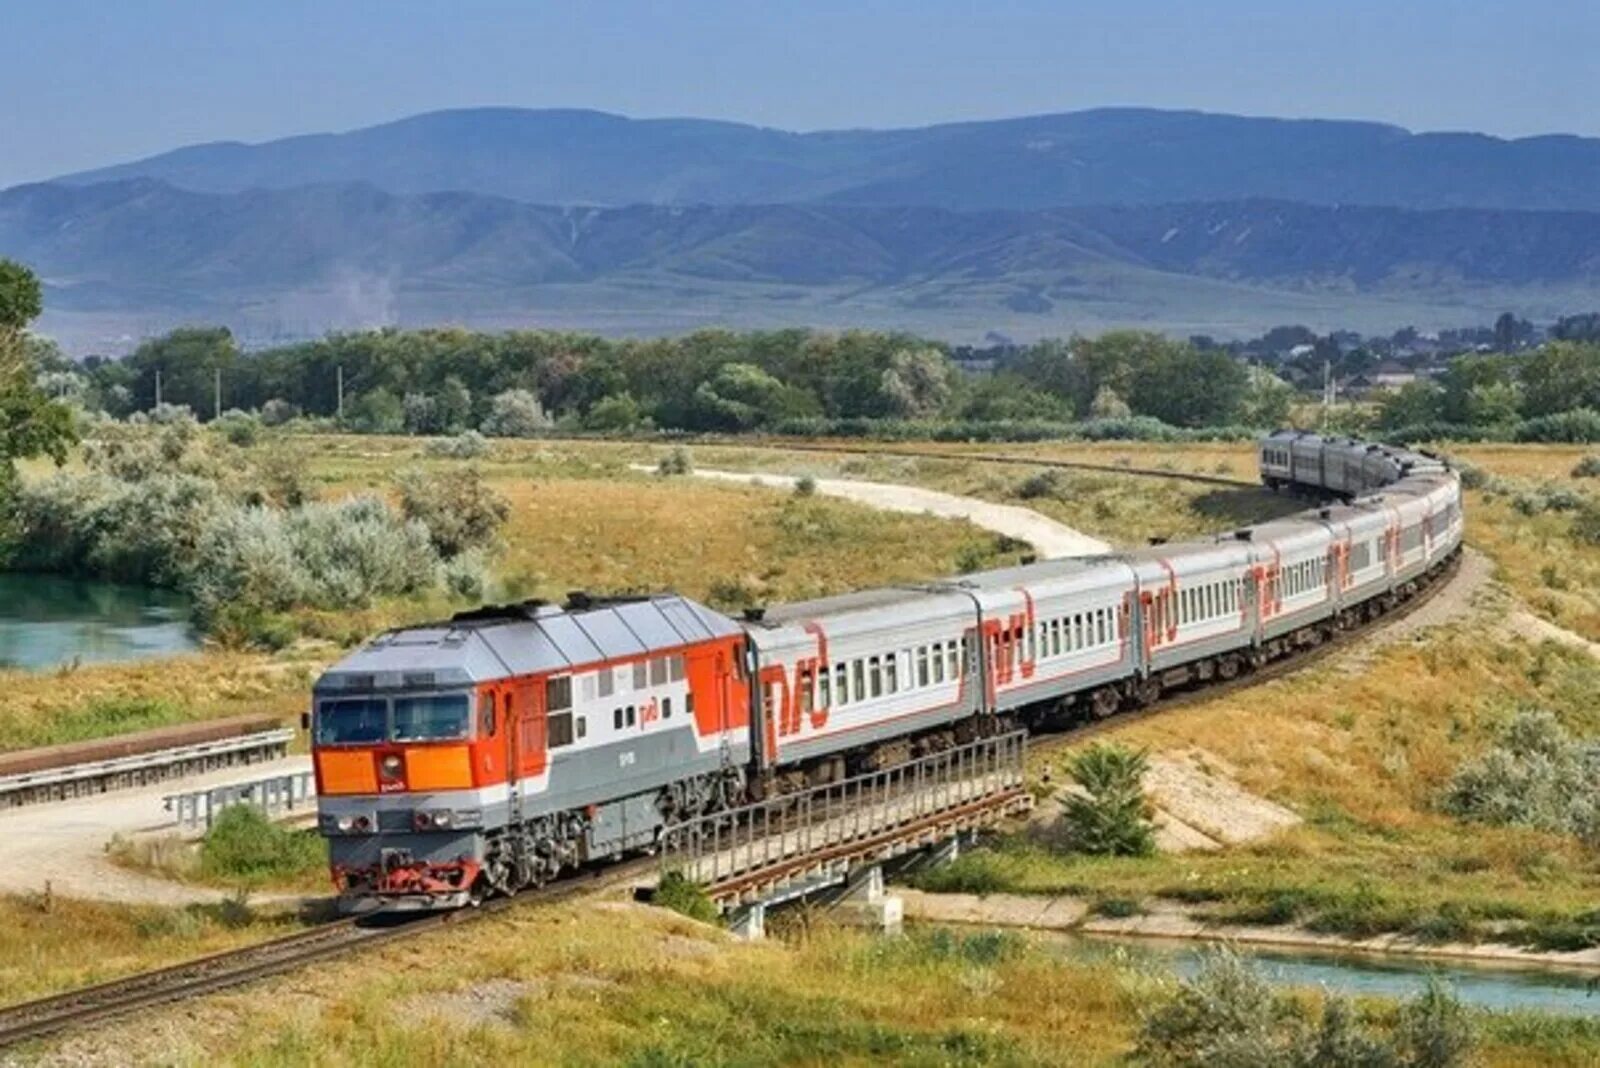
(1048, 537)
(64, 843)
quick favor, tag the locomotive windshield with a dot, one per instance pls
(437, 717)
(352, 721)
(366, 720)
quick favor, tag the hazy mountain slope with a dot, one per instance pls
(122, 260)
(1105, 156)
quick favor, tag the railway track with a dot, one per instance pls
(41, 1018)
(999, 458)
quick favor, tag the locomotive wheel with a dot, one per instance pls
(1104, 702)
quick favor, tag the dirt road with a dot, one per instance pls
(1048, 537)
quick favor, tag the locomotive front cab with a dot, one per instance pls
(406, 784)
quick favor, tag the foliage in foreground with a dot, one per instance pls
(1111, 816)
(244, 846)
(1228, 1017)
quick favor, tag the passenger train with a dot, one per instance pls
(493, 751)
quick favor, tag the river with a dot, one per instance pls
(47, 621)
(1363, 975)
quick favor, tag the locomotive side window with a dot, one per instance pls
(607, 680)
(858, 679)
(841, 685)
(824, 680)
(891, 673)
(558, 729)
(486, 715)
(666, 708)
(675, 667)
(936, 650)
(922, 665)
(658, 671)
(352, 721)
(641, 675)
(558, 693)
(954, 655)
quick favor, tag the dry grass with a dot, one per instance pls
(609, 984)
(53, 944)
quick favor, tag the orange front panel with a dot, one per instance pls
(341, 772)
(438, 767)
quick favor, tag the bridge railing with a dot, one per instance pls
(275, 795)
(871, 815)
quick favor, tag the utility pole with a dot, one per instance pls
(341, 390)
(216, 386)
(158, 387)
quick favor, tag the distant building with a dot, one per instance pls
(1390, 375)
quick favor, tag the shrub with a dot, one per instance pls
(1110, 816)
(805, 487)
(1039, 485)
(676, 462)
(1535, 776)
(680, 895)
(1579, 426)
(244, 845)
(466, 446)
(356, 550)
(1228, 1017)
(239, 428)
(1588, 467)
(516, 413)
(277, 412)
(465, 576)
(458, 509)
(1586, 524)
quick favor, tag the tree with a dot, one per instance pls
(1560, 376)
(31, 423)
(1107, 404)
(742, 396)
(916, 383)
(1266, 400)
(1413, 404)
(188, 360)
(516, 413)
(1109, 815)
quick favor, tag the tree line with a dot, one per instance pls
(436, 381)
(1550, 393)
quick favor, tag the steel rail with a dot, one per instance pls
(40, 1018)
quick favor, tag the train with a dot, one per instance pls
(498, 749)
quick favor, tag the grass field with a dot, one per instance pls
(618, 984)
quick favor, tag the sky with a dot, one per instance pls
(85, 83)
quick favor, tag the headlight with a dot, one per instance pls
(444, 819)
(346, 825)
(389, 766)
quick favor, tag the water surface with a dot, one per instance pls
(47, 621)
(1487, 986)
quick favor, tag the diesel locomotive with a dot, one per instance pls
(498, 749)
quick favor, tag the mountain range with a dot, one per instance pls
(501, 217)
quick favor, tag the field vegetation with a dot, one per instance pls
(610, 983)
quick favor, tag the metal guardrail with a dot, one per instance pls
(274, 795)
(810, 838)
(81, 780)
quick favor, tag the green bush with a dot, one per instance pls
(1110, 816)
(1228, 1017)
(1536, 775)
(805, 487)
(676, 462)
(1040, 485)
(465, 446)
(680, 895)
(458, 509)
(238, 428)
(244, 846)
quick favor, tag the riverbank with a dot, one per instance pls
(1174, 921)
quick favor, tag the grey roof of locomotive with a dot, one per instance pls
(523, 639)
